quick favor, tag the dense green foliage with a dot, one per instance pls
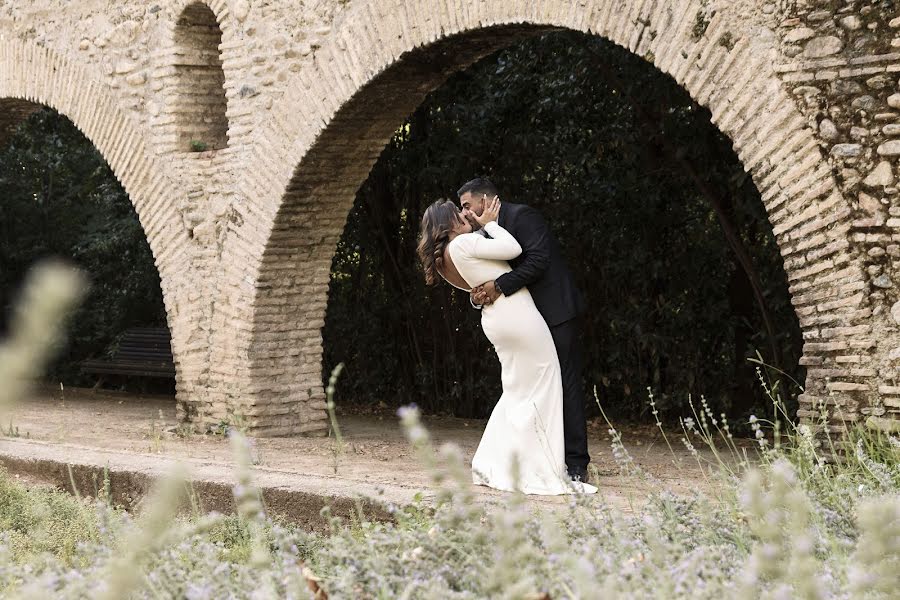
(603, 145)
(59, 198)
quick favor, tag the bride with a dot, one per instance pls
(525, 431)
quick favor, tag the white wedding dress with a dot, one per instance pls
(527, 424)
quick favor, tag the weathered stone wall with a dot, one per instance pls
(841, 62)
(243, 228)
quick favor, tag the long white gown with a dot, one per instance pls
(526, 425)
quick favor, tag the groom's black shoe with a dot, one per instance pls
(577, 474)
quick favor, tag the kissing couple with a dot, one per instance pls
(507, 258)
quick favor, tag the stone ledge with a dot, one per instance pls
(829, 63)
(295, 497)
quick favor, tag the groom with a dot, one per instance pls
(542, 269)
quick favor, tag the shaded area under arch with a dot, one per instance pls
(62, 200)
(669, 305)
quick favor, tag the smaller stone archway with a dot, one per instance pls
(193, 117)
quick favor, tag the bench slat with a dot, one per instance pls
(142, 352)
(136, 350)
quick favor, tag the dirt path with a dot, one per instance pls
(376, 452)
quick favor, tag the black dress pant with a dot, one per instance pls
(568, 349)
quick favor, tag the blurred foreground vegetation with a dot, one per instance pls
(781, 525)
(778, 520)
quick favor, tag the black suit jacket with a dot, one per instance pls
(541, 267)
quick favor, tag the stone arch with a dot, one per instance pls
(32, 76)
(377, 66)
(192, 76)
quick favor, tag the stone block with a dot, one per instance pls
(800, 34)
(851, 22)
(844, 87)
(889, 148)
(846, 386)
(828, 130)
(854, 150)
(852, 359)
(819, 47)
(883, 424)
(883, 282)
(881, 175)
(866, 103)
(879, 82)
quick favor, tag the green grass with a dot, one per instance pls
(40, 520)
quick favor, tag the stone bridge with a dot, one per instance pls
(242, 129)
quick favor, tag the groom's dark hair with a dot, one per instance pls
(478, 186)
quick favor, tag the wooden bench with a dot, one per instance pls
(141, 352)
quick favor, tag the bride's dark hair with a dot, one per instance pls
(439, 220)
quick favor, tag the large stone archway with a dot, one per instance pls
(378, 67)
(32, 77)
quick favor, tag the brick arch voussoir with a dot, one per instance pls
(747, 101)
(36, 75)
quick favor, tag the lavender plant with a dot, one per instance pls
(788, 522)
(771, 542)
